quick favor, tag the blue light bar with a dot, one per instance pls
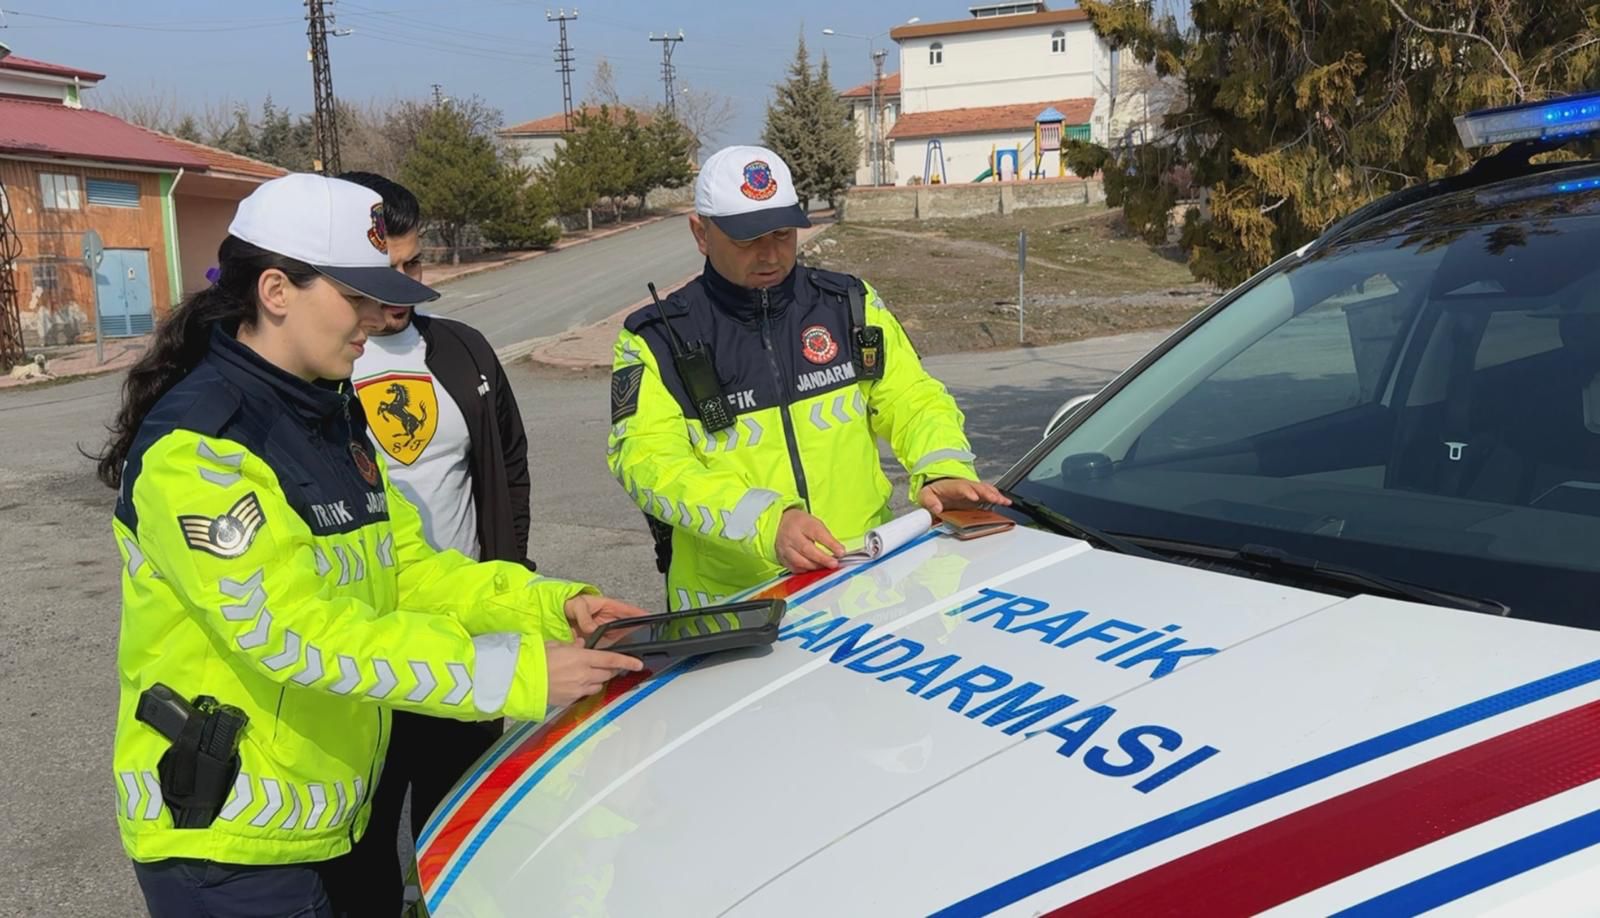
(1572, 116)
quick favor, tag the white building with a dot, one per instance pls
(535, 141)
(971, 87)
(859, 99)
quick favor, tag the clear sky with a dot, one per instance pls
(502, 50)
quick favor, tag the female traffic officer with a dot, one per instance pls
(269, 566)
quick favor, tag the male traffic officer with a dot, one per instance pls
(747, 407)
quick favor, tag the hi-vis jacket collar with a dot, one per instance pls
(745, 302)
(313, 402)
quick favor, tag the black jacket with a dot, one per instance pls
(462, 360)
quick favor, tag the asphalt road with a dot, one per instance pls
(586, 283)
(59, 609)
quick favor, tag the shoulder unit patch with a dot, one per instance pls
(228, 535)
(625, 391)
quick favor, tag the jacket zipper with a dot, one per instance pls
(786, 400)
(341, 430)
(372, 777)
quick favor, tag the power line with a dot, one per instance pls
(11, 347)
(564, 64)
(431, 29)
(414, 41)
(182, 25)
(668, 74)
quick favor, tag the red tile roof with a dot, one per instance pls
(889, 87)
(556, 124)
(987, 24)
(988, 120)
(221, 160)
(13, 62)
(43, 128)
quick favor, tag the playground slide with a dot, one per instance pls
(985, 176)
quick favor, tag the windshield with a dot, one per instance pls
(1426, 407)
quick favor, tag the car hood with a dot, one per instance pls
(1021, 723)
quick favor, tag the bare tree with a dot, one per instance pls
(705, 114)
(603, 86)
(155, 108)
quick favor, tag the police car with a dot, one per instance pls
(1298, 621)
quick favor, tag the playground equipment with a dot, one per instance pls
(1050, 133)
(1047, 139)
(928, 175)
(1003, 164)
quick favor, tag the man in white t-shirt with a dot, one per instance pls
(440, 408)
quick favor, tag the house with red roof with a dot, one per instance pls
(863, 101)
(1012, 75)
(534, 142)
(160, 205)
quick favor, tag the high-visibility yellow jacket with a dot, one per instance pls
(268, 563)
(807, 428)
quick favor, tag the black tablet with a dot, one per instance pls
(696, 631)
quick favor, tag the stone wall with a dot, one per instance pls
(960, 201)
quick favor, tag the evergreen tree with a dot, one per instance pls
(456, 174)
(526, 221)
(792, 122)
(188, 129)
(810, 127)
(1298, 113)
(660, 152)
(839, 146)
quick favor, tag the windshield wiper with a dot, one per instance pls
(1276, 560)
(1051, 519)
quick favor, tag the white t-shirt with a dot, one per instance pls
(423, 435)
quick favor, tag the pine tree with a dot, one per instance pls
(188, 129)
(525, 221)
(660, 151)
(456, 174)
(1298, 113)
(838, 144)
(793, 123)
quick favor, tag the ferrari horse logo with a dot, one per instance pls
(402, 411)
(395, 409)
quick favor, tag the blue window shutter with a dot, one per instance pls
(108, 193)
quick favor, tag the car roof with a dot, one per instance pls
(1552, 191)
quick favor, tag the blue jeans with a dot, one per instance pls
(183, 887)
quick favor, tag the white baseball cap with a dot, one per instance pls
(335, 227)
(748, 192)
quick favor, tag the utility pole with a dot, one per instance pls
(11, 350)
(668, 73)
(438, 95)
(875, 125)
(324, 120)
(564, 63)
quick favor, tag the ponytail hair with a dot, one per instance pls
(184, 337)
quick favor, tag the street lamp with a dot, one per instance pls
(874, 114)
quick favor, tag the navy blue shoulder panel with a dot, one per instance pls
(833, 281)
(203, 402)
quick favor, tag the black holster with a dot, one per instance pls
(662, 534)
(198, 771)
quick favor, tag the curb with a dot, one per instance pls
(542, 352)
(560, 247)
